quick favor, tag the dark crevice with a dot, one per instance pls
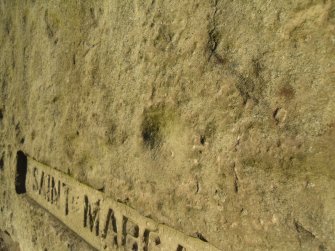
(201, 237)
(21, 172)
(202, 139)
(236, 182)
(157, 241)
(180, 248)
(303, 231)
(1, 163)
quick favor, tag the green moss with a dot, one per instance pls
(157, 122)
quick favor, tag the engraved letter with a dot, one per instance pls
(66, 191)
(35, 184)
(130, 232)
(41, 183)
(44, 188)
(180, 248)
(110, 228)
(151, 240)
(91, 215)
(55, 193)
(47, 192)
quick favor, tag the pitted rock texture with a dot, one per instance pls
(214, 117)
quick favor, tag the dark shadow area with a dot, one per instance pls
(21, 172)
(1, 163)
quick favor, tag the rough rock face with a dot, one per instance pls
(214, 117)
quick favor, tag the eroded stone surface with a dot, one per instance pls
(213, 117)
(6, 242)
(98, 219)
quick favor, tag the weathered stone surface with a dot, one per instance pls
(213, 117)
(6, 242)
(103, 222)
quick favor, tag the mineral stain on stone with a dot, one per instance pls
(154, 125)
(151, 132)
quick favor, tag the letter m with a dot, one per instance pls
(91, 215)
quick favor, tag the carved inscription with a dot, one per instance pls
(101, 221)
(110, 229)
(91, 215)
(47, 186)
